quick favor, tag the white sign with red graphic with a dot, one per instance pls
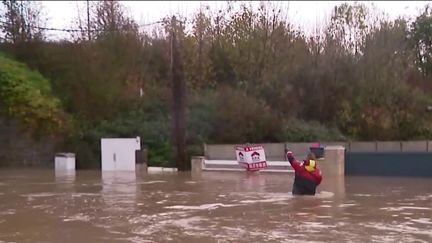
(251, 157)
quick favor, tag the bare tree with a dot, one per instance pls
(104, 18)
(21, 21)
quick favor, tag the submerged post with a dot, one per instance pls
(197, 164)
(333, 170)
(333, 163)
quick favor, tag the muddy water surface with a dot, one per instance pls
(90, 206)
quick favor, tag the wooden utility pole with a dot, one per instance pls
(179, 104)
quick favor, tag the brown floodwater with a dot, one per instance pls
(91, 206)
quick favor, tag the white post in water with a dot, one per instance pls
(64, 165)
(333, 170)
(333, 163)
(64, 162)
(197, 165)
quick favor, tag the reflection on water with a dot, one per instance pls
(91, 206)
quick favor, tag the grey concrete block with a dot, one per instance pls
(220, 151)
(343, 144)
(389, 146)
(274, 151)
(362, 146)
(414, 146)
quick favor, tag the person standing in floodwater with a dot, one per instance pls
(307, 174)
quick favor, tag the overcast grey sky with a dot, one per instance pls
(305, 14)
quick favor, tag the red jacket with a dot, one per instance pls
(300, 170)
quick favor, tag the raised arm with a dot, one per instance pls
(294, 163)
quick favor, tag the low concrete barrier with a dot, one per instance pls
(363, 146)
(199, 164)
(332, 164)
(343, 144)
(415, 146)
(407, 158)
(274, 151)
(220, 151)
(389, 146)
(272, 166)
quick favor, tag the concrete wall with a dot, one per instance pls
(274, 151)
(362, 146)
(388, 146)
(395, 158)
(415, 146)
(19, 149)
(220, 151)
(344, 144)
(389, 163)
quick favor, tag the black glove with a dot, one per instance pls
(290, 156)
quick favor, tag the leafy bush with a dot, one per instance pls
(26, 95)
(241, 118)
(386, 112)
(300, 131)
(201, 117)
(150, 120)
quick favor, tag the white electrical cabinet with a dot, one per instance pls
(64, 162)
(118, 154)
